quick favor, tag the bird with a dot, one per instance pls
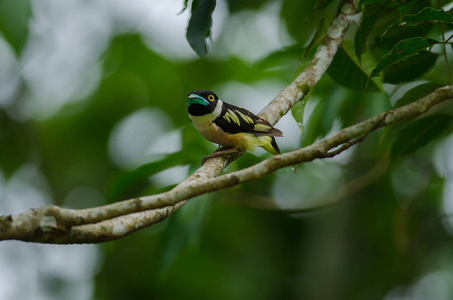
(229, 125)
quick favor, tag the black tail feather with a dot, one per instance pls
(275, 146)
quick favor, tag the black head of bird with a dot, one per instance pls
(201, 102)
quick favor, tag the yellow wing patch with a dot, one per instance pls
(262, 127)
(245, 118)
(227, 117)
(230, 116)
(233, 116)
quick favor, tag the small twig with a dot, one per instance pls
(448, 40)
(358, 139)
(345, 146)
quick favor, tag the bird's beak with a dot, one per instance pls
(194, 98)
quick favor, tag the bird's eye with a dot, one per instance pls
(211, 98)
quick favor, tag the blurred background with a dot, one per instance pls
(93, 111)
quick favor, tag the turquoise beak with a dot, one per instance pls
(196, 99)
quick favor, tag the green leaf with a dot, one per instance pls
(200, 23)
(346, 70)
(136, 182)
(373, 12)
(416, 93)
(321, 4)
(310, 50)
(405, 5)
(14, 22)
(369, 19)
(428, 14)
(317, 38)
(420, 133)
(323, 116)
(304, 63)
(411, 68)
(298, 112)
(353, 107)
(297, 15)
(283, 56)
(402, 51)
(371, 2)
(126, 185)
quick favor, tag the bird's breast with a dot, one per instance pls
(210, 131)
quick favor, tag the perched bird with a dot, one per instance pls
(230, 125)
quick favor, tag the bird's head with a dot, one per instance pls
(201, 102)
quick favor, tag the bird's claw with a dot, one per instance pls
(219, 152)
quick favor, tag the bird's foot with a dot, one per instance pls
(219, 152)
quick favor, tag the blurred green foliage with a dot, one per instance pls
(387, 231)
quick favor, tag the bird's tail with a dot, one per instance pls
(275, 146)
(270, 145)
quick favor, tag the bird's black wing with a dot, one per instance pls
(234, 119)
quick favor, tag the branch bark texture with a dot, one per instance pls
(52, 224)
